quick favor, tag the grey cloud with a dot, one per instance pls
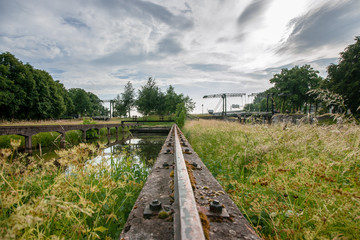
(145, 9)
(329, 24)
(169, 45)
(75, 23)
(252, 12)
(209, 67)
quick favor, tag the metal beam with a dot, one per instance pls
(187, 218)
(221, 95)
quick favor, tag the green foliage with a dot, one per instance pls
(28, 93)
(260, 103)
(75, 199)
(291, 87)
(301, 182)
(91, 133)
(147, 100)
(128, 97)
(344, 78)
(152, 101)
(180, 115)
(126, 102)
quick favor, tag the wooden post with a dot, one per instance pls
(84, 135)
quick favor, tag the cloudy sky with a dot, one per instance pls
(198, 46)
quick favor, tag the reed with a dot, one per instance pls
(68, 198)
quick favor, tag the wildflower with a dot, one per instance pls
(15, 143)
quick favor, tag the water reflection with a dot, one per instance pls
(145, 148)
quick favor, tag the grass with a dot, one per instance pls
(290, 182)
(70, 198)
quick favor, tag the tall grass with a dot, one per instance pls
(291, 182)
(70, 198)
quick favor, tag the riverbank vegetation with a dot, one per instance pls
(68, 198)
(290, 182)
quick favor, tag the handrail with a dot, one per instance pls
(187, 223)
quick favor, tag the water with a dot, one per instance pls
(145, 148)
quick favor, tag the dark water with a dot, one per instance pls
(145, 147)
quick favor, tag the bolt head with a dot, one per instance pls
(155, 205)
(215, 206)
(165, 164)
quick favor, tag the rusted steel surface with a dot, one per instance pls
(223, 218)
(143, 223)
(187, 214)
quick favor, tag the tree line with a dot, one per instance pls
(300, 88)
(150, 100)
(29, 93)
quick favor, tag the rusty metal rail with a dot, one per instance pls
(170, 206)
(187, 222)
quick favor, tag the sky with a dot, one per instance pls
(199, 47)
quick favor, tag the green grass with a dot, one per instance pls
(294, 182)
(70, 198)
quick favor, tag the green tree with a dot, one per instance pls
(17, 88)
(291, 87)
(81, 101)
(128, 97)
(119, 107)
(148, 97)
(172, 99)
(180, 114)
(344, 78)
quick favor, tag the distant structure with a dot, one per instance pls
(224, 96)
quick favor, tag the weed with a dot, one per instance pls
(299, 182)
(72, 198)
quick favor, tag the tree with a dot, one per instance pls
(292, 87)
(180, 114)
(128, 97)
(344, 78)
(119, 107)
(172, 99)
(148, 97)
(81, 101)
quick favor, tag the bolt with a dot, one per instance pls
(215, 206)
(155, 205)
(184, 144)
(167, 151)
(169, 144)
(187, 150)
(165, 164)
(194, 164)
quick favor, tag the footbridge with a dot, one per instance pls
(29, 130)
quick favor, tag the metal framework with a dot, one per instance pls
(224, 96)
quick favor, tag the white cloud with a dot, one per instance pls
(201, 47)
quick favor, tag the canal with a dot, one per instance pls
(144, 147)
